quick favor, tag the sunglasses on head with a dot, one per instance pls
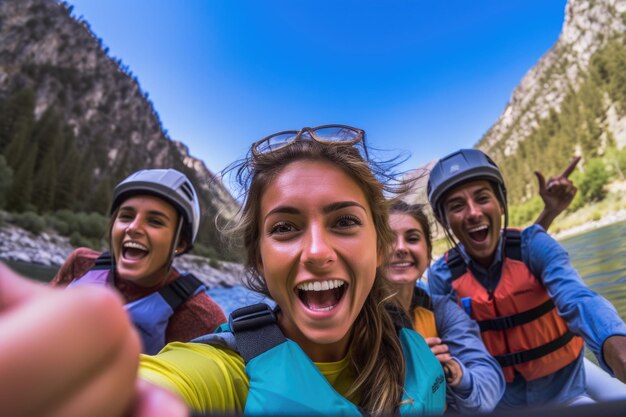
(326, 134)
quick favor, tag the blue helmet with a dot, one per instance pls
(460, 167)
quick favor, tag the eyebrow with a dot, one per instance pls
(341, 205)
(151, 212)
(326, 209)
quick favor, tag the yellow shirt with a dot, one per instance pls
(213, 378)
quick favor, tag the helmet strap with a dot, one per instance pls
(173, 251)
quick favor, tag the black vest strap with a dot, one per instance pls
(503, 323)
(104, 261)
(399, 317)
(513, 244)
(513, 250)
(456, 263)
(255, 330)
(179, 291)
(517, 358)
(420, 298)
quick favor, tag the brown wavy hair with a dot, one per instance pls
(375, 348)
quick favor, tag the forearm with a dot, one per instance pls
(546, 217)
(482, 384)
(587, 313)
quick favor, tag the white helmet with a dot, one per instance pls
(169, 184)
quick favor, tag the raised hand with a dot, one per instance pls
(557, 193)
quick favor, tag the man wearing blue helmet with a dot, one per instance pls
(533, 310)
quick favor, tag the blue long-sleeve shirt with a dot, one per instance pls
(482, 384)
(586, 312)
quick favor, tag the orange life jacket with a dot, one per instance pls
(423, 316)
(518, 320)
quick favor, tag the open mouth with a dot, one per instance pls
(134, 251)
(321, 295)
(479, 234)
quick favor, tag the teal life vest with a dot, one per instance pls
(150, 314)
(284, 380)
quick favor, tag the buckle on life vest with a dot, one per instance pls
(250, 317)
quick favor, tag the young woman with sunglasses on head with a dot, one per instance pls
(155, 216)
(316, 231)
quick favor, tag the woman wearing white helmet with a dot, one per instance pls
(155, 216)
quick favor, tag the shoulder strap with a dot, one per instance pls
(399, 317)
(104, 261)
(455, 262)
(179, 291)
(513, 245)
(255, 330)
(421, 298)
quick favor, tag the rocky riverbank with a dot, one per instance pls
(606, 220)
(48, 249)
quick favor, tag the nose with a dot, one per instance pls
(133, 227)
(400, 247)
(473, 209)
(317, 251)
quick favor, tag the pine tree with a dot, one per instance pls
(20, 194)
(44, 183)
(47, 135)
(66, 191)
(100, 200)
(16, 117)
(6, 180)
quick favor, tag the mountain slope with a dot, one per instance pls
(55, 67)
(589, 25)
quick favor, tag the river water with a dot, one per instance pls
(599, 256)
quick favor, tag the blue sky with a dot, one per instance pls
(421, 77)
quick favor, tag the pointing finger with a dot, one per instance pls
(571, 167)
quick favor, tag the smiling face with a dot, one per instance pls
(475, 216)
(141, 239)
(409, 258)
(318, 254)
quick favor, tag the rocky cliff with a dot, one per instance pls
(588, 26)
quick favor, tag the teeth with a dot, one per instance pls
(135, 245)
(321, 285)
(402, 264)
(478, 228)
(323, 308)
